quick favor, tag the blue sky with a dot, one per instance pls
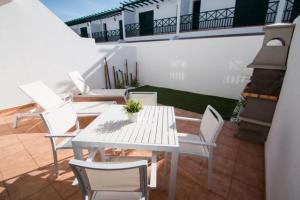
(71, 9)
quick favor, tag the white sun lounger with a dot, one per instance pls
(86, 91)
(47, 99)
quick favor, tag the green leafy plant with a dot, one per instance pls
(119, 84)
(238, 109)
(134, 83)
(132, 107)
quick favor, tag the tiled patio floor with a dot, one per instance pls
(26, 166)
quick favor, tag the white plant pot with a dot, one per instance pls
(132, 117)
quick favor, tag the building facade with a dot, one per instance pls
(142, 20)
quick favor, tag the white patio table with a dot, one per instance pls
(154, 130)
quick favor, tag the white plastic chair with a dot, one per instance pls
(202, 145)
(86, 91)
(59, 120)
(47, 99)
(111, 180)
(146, 98)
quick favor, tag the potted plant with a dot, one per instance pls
(132, 108)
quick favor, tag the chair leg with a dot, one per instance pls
(54, 154)
(209, 172)
(55, 163)
(165, 162)
(102, 154)
(15, 121)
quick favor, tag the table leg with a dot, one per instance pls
(173, 173)
(77, 152)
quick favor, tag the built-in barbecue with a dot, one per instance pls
(262, 92)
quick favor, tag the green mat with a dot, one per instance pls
(191, 101)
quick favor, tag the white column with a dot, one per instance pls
(280, 11)
(123, 24)
(89, 28)
(178, 17)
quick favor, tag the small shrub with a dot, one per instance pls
(133, 106)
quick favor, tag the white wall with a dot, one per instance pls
(207, 5)
(112, 24)
(214, 66)
(168, 8)
(282, 149)
(36, 45)
(97, 25)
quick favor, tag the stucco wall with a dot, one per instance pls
(282, 148)
(214, 66)
(166, 9)
(36, 45)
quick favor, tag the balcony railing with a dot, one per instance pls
(160, 26)
(207, 20)
(272, 12)
(132, 29)
(165, 25)
(287, 13)
(104, 36)
(213, 19)
(221, 18)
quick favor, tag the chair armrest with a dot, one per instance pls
(196, 142)
(67, 135)
(188, 119)
(66, 96)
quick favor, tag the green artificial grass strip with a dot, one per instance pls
(191, 101)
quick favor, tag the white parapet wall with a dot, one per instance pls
(282, 149)
(212, 66)
(36, 45)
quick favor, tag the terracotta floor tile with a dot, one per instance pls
(222, 165)
(185, 113)
(225, 152)
(255, 149)
(250, 176)
(63, 183)
(229, 131)
(220, 183)
(228, 140)
(241, 191)
(27, 166)
(27, 184)
(76, 196)
(8, 140)
(201, 193)
(11, 150)
(251, 160)
(231, 125)
(16, 165)
(47, 193)
(3, 190)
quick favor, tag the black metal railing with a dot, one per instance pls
(160, 26)
(104, 36)
(165, 25)
(272, 12)
(287, 13)
(220, 18)
(132, 30)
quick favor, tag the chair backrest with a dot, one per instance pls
(79, 82)
(110, 176)
(41, 94)
(146, 98)
(60, 119)
(211, 124)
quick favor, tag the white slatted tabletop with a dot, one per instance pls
(154, 130)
